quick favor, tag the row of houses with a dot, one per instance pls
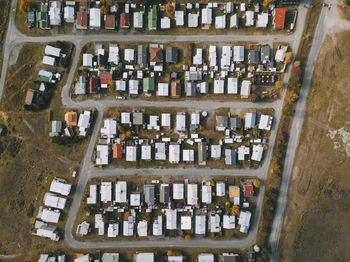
(73, 124)
(45, 78)
(137, 72)
(55, 202)
(146, 257)
(198, 220)
(117, 146)
(87, 15)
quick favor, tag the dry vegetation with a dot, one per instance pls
(28, 159)
(319, 193)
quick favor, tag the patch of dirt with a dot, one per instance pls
(319, 193)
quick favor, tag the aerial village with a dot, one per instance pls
(160, 208)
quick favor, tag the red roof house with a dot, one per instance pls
(279, 18)
(110, 21)
(93, 84)
(82, 20)
(248, 190)
(105, 79)
(117, 150)
(124, 20)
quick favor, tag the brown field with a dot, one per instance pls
(316, 223)
(28, 158)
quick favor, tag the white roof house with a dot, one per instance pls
(129, 55)
(193, 20)
(99, 224)
(51, 200)
(109, 129)
(106, 192)
(87, 60)
(220, 189)
(171, 219)
(92, 198)
(246, 88)
(113, 230)
(160, 151)
(232, 85)
(48, 215)
(178, 191)
(229, 222)
(263, 20)
(220, 22)
(113, 54)
(281, 54)
(133, 87)
(85, 258)
(214, 223)
(146, 152)
(238, 53)
(69, 14)
(163, 89)
(186, 222)
(165, 22)
(192, 194)
(120, 85)
(244, 221)
(174, 153)
(206, 258)
(95, 18)
(206, 194)
(219, 86)
(158, 226)
(48, 60)
(257, 152)
(138, 19)
(121, 192)
(144, 257)
(60, 186)
(195, 118)
(52, 51)
(204, 87)
(207, 16)
(234, 21)
(47, 231)
(226, 57)
(212, 56)
(131, 153)
(125, 118)
(188, 155)
(242, 152)
(135, 199)
(102, 155)
(200, 225)
(128, 226)
(265, 122)
(215, 151)
(249, 18)
(198, 58)
(142, 228)
(249, 121)
(180, 18)
(166, 120)
(230, 156)
(55, 13)
(84, 122)
(181, 121)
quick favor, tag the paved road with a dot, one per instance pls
(326, 23)
(14, 37)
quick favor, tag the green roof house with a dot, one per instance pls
(148, 84)
(152, 18)
(43, 16)
(45, 76)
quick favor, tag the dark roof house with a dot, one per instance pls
(171, 55)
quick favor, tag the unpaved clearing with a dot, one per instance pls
(318, 210)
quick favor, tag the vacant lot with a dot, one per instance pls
(318, 208)
(28, 159)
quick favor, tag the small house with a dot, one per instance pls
(82, 20)
(30, 97)
(175, 89)
(121, 192)
(110, 21)
(174, 153)
(95, 18)
(153, 17)
(171, 55)
(200, 225)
